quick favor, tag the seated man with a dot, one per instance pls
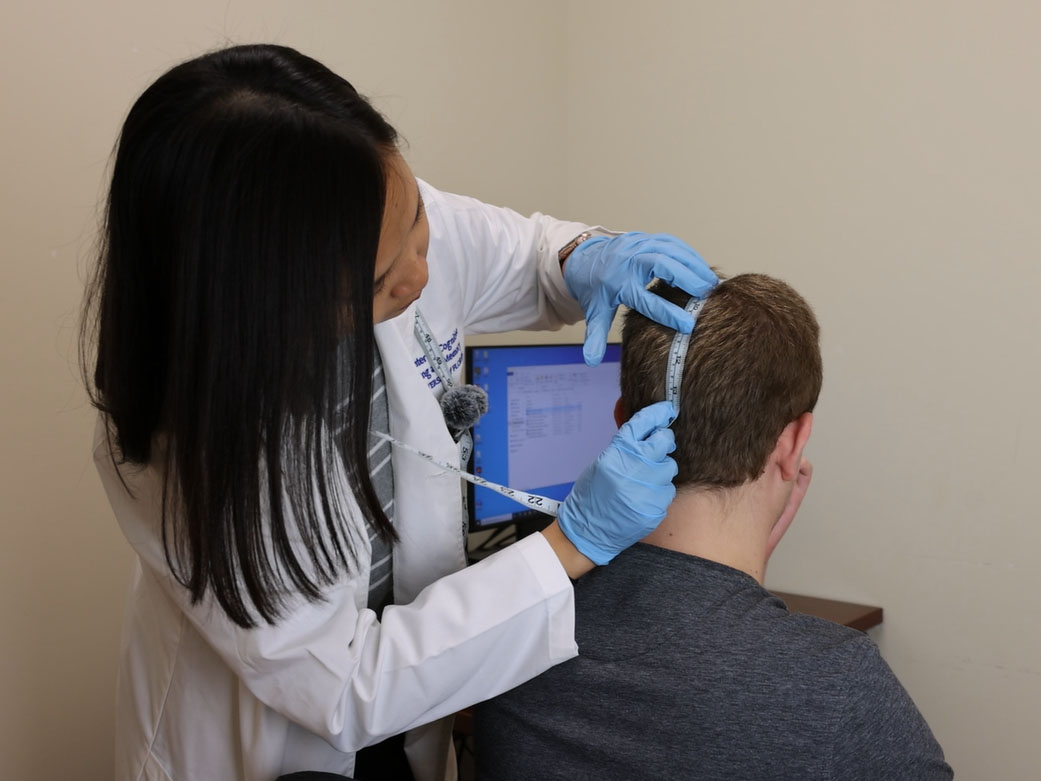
(687, 666)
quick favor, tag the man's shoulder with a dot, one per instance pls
(830, 636)
(819, 650)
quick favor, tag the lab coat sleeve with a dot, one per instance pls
(469, 636)
(504, 264)
(332, 668)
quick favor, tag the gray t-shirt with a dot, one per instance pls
(690, 669)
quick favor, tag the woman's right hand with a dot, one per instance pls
(622, 496)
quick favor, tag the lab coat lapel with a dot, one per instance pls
(427, 500)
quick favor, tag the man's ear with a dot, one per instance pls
(619, 413)
(791, 443)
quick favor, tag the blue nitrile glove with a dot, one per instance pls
(622, 496)
(602, 273)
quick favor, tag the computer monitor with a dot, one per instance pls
(549, 416)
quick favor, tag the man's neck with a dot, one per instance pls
(731, 527)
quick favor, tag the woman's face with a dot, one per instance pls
(401, 260)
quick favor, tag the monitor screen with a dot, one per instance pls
(549, 416)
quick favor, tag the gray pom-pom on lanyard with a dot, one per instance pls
(462, 406)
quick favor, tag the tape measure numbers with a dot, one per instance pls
(678, 355)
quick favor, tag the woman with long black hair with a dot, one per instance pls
(300, 590)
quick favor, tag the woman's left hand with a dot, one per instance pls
(603, 273)
(622, 496)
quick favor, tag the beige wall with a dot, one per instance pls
(474, 87)
(882, 157)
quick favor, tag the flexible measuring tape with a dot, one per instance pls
(432, 350)
(532, 501)
(678, 355)
(543, 504)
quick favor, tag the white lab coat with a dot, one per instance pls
(200, 698)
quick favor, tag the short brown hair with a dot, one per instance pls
(754, 365)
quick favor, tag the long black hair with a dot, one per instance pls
(237, 251)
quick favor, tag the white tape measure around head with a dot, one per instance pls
(678, 355)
